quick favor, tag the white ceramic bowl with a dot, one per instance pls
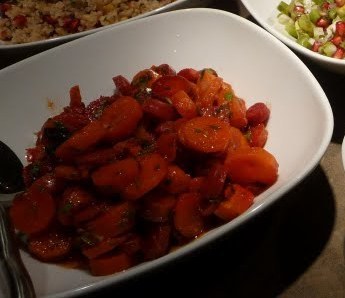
(300, 127)
(265, 12)
(38, 46)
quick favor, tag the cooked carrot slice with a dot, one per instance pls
(156, 242)
(213, 184)
(159, 109)
(67, 172)
(153, 169)
(258, 135)
(190, 74)
(144, 79)
(110, 264)
(205, 134)
(166, 86)
(252, 165)
(74, 198)
(238, 116)
(114, 177)
(208, 87)
(102, 247)
(32, 211)
(89, 212)
(121, 118)
(184, 105)
(187, 218)
(176, 181)
(83, 139)
(51, 246)
(237, 140)
(166, 145)
(75, 97)
(237, 203)
(157, 207)
(117, 220)
(96, 158)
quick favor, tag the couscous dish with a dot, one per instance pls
(25, 21)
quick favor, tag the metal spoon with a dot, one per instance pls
(17, 277)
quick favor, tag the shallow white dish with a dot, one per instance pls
(265, 12)
(38, 46)
(300, 127)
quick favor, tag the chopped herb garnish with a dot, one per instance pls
(228, 96)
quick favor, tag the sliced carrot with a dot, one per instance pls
(238, 116)
(49, 183)
(164, 69)
(109, 264)
(184, 105)
(258, 135)
(205, 134)
(237, 140)
(176, 181)
(98, 157)
(153, 169)
(104, 246)
(159, 109)
(123, 86)
(32, 211)
(167, 145)
(190, 74)
(144, 79)
(132, 244)
(188, 220)
(74, 198)
(67, 172)
(234, 205)
(89, 212)
(82, 140)
(156, 242)
(75, 97)
(51, 246)
(209, 87)
(115, 221)
(115, 177)
(157, 207)
(252, 165)
(121, 118)
(196, 183)
(213, 184)
(166, 86)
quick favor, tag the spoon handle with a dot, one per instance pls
(18, 279)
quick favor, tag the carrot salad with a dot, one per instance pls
(129, 177)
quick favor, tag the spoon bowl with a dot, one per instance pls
(17, 278)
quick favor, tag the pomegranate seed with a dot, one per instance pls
(339, 54)
(4, 7)
(74, 24)
(298, 9)
(316, 46)
(325, 6)
(48, 19)
(337, 40)
(340, 28)
(323, 22)
(20, 21)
